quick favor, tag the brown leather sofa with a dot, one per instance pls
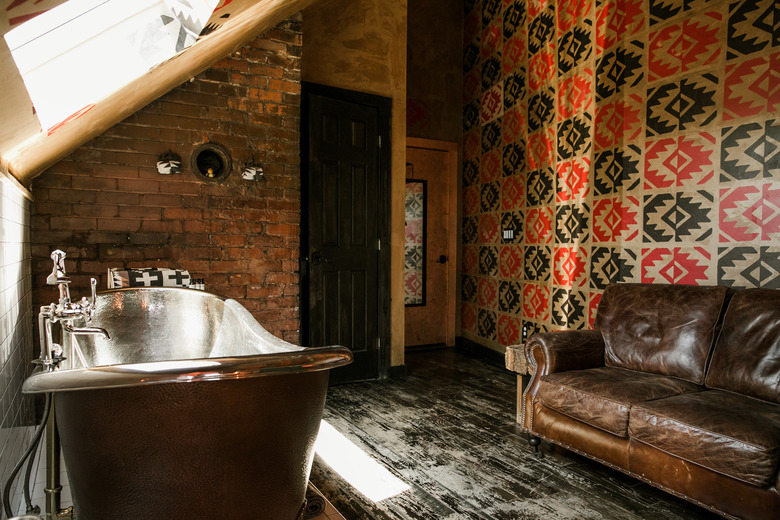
(679, 386)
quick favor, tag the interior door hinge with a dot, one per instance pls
(379, 140)
(379, 343)
(378, 244)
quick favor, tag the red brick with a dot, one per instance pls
(232, 63)
(143, 212)
(216, 75)
(172, 226)
(129, 158)
(197, 226)
(52, 180)
(130, 225)
(53, 208)
(234, 292)
(282, 278)
(284, 302)
(96, 210)
(74, 196)
(268, 96)
(193, 266)
(115, 171)
(292, 290)
(138, 132)
(183, 213)
(149, 238)
(292, 266)
(94, 183)
(230, 240)
(162, 199)
(244, 279)
(104, 238)
(264, 291)
(284, 86)
(67, 167)
(283, 229)
(263, 69)
(227, 266)
(292, 336)
(138, 186)
(73, 223)
(112, 197)
(180, 109)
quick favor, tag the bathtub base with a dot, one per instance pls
(194, 450)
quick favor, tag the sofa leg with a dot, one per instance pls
(535, 441)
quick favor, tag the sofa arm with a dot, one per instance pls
(558, 351)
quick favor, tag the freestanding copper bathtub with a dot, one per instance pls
(190, 410)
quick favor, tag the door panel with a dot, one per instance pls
(434, 323)
(342, 229)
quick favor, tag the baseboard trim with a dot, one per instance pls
(472, 348)
(397, 371)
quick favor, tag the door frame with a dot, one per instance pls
(383, 106)
(451, 149)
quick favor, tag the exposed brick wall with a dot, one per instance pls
(107, 206)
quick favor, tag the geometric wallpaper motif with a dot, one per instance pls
(620, 141)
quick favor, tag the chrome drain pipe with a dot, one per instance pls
(53, 487)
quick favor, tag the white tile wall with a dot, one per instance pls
(16, 322)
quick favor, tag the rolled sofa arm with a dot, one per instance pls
(558, 351)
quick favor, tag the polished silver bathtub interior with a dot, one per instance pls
(160, 335)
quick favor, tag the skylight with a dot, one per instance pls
(81, 51)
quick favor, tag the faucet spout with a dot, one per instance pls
(86, 331)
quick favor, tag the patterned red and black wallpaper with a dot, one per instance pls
(618, 141)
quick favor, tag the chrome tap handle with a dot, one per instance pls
(93, 286)
(88, 306)
(58, 274)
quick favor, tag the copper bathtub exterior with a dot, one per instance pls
(190, 410)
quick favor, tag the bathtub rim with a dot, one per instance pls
(310, 359)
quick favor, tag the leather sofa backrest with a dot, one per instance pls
(746, 358)
(661, 329)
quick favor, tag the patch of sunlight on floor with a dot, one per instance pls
(363, 473)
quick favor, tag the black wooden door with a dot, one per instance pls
(343, 224)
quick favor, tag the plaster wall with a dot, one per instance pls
(361, 45)
(435, 70)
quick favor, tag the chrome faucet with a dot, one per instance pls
(64, 312)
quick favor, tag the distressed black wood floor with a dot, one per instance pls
(448, 431)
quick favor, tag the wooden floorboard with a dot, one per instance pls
(448, 431)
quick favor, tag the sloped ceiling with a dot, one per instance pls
(26, 150)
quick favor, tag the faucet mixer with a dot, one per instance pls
(58, 275)
(65, 312)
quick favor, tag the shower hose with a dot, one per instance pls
(31, 449)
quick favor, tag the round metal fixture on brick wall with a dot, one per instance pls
(211, 162)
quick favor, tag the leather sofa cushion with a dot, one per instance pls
(727, 433)
(746, 358)
(602, 397)
(662, 329)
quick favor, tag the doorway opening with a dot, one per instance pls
(345, 242)
(430, 260)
